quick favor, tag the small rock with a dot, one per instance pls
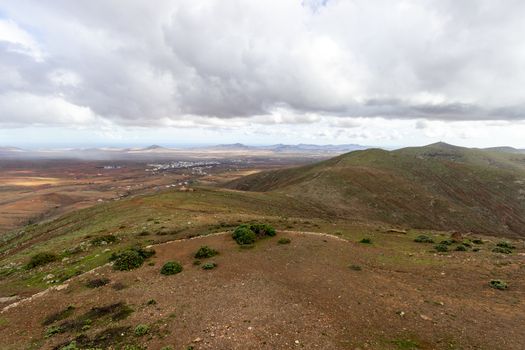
(196, 340)
(297, 342)
(426, 318)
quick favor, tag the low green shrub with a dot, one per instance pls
(243, 235)
(477, 241)
(262, 230)
(284, 240)
(171, 268)
(141, 330)
(506, 245)
(151, 302)
(127, 260)
(447, 242)
(205, 252)
(441, 248)
(501, 250)
(41, 259)
(461, 248)
(103, 240)
(366, 241)
(52, 330)
(498, 284)
(423, 239)
(209, 266)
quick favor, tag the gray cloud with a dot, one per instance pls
(196, 62)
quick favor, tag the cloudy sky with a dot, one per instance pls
(375, 72)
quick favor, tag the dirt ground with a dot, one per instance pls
(318, 292)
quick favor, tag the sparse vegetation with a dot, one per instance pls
(441, 248)
(41, 259)
(59, 316)
(355, 267)
(131, 258)
(52, 330)
(171, 268)
(498, 284)
(461, 248)
(506, 245)
(284, 240)
(205, 252)
(366, 241)
(423, 239)
(103, 240)
(97, 282)
(141, 330)
(477, 241)
(502, 250)
(209, 266)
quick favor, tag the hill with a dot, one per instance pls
(438, 186)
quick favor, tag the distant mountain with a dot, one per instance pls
(438, 186)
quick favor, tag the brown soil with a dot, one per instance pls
(298, 295)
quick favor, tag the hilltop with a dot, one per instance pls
(438, 186)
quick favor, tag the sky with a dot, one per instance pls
(386, 73)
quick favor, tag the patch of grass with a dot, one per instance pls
(59, 316)
(502, 250)
(284, 240)
(498, 284)
(171, 268)
(97, 282)
(405, 344)
(141, 330)
(423, 239)
(442, 248)
(366, 241)
(209, 266)
(53, 330)
(104, 240)
(41, 259)
(205, 252)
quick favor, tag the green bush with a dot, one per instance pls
(477, 241)
(243, 235)
(151, 302)
(209, 266)
(262, 230)
(504, 244)
(284, 241)
(461, 248)
(41, 259)
(205, 252)
(502, 250)
(52, 330)
(447, 242)
(423, 239)
(498, 284)
(141, 329)
(171, 268)
(366, 241)
(127, 260)
(103, 240)
(131, 258)
(70, 346)
(441, 248)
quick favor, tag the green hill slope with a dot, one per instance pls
(439, 186)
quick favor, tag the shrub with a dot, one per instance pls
(209, 266)
(441, 248)
(477, 241)
(141, 329)
(205, 252)
(243, 235)
(51, 331)
(97, 282)
(41, 259)
(498, 284)
(70, 346)
(355, 267)
(131, 258)
(461, 248)
(151, 302)
(103, 240)
(504, 244)
(423, 239)
(68, 311)
(502, 250)
(284, 241)
(366, 241)
(475, 249)
(171, 268)
(262, 230)
(196, 262)
(127, 260)
(447, 242)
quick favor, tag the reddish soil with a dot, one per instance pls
(298, 295)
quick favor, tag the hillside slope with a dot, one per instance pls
(438, 186)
